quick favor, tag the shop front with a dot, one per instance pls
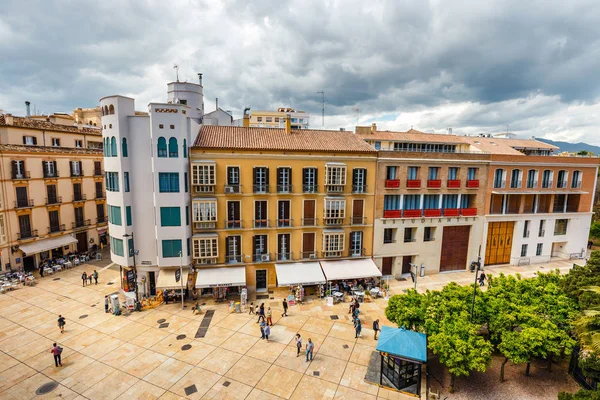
(102, 237)
(35, 253)
(303, 278)
(173, 283)
(221, 282)
(353, 277)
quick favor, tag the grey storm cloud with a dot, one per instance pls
(473, 65)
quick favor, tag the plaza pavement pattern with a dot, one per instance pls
(154, 354)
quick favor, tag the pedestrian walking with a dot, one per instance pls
(256, 309)
(95, 277)
(285, 307)
(61, 323)
(269, 316)
(298, 343)
(251, 308)
(84, 278)
(375, 328)
(261, 312)
(358, 329)
(90, 276)
(106, 303)
(267, 331)
(482, 279)
(262, 327)
(56, 351)
(41, 271)
(309, 349)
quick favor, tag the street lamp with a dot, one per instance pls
(132, 252)
(181, 277)
(475, 267)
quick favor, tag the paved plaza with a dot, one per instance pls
(154, 354)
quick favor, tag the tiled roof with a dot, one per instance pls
(505, 146)
(16, 148)
(234, 137)
(413, 136)
(30, 123)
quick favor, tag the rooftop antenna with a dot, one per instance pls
(322, 93)
(176, 68)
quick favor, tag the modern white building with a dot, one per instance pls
(147, 186)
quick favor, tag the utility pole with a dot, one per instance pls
(322, 93)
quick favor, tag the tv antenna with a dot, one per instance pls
(176, 68)
(322, 93)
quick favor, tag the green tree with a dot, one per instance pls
(408, 310)
(580, 395)
(595, 230)
(583, 153)
(581, 277)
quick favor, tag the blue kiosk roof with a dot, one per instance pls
(402, 343)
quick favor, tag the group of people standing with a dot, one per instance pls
(354, 310)
(85, 277)
(265, 320)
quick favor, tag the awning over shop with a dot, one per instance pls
(226, 276)
(302, 273)
(402, 343)
(101, 230)
(47, 244)
(166, 279)
(350, 269)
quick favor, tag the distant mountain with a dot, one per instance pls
(572, 147)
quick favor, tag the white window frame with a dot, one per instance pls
(204, 177)
(29, 141)
(204, 211)
(55, 142)
(207, 247)
(78, 144)
(76, 168)
(333, 242)
(356, 239)
(49, 168)
(335, 175)
(334, 209)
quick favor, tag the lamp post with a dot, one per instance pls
(475, 266)
(181, 277)
(132, 253)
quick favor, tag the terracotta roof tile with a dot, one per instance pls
(30, 123)
(234, 137)
(413, 136)
(15, 148)
(505, 146)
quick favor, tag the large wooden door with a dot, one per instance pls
(455, 248)
(308, 244)
(309, 213)
(499, 242)
(406, 260)
(357, 212)
(386, 265)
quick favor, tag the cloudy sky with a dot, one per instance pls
(475, 66)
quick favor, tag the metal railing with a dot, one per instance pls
(333, 221)
(334, 188)
(101, 220)
(24, 203)
(260, 189)
(81, 223)
(309, 255)
(77, 174)
(284, 222)
(261, 257)
(79, 197)
(57, 228)
(49, 174)
(53, 200)
(285, 188)
(100, 195)
(309, 221)
(356, 189)
(231, 259)
(332, 254)
(232, 189)
(27, 234)
(358, 220)
(98, 172)
(22, 175)
(205, 224)
(261, 223)
(234, 224)
(287, 256)
(310, 188)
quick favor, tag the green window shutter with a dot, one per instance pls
(115, 215)
(170, 216)
(187, 215)
(128, 215)
(171, 248)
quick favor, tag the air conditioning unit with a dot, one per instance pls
(312, 256)
(229, 189)
(265, 257)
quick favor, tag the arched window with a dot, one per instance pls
(111, 109)
(162, 147)
(102, 110)
(184, 148)
(113, 147)
(105, 110)
(124, 147)
(173, 150)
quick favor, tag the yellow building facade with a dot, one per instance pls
(267, 196)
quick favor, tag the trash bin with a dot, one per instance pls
(238, 307)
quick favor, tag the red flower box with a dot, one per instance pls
(412, 213)
(453, 184)
(473, 184)
(432, 213)
(468, 212)
(392, 214)
(450, 212)
(392, 183)
(434, 183)
(413, 183)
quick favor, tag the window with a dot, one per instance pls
(54, 222)
(333, 244)
(203, 177)
(233, 215)
(538, 250)
(161, 126)
(335, 209)
(30, 140)
(173, 149)
(187, 215)
(391, 173)
(450, 201)
(25, 227)
(356, 244)
(2, 229)
(276, 119)
(389, 235)
(172, 126)
(185, 181)
(431, 201)
(309, 180)
(22, 197)
(259, 119)
(114, 215)
(261, 219)
(576, 180)
(97, 168)
(112, 181)
(51, 197)
(130, 247)
(433, 173)
(523, 250)
(335, 175)
(283, 213)
(170, 216)
(113, 146)
(472, 174)
(261, 180)
(526, 229)
(547, 179)
(452, 173)
(467, 201)
(233, 176)
(412, 201)
(377, 145)
(76, 169)
(542, 229)
(50, 170)
(561, 179)
(126, 181)
(161, 146)
(413, 173)
(124, 147)
(55, 142)
(205, 247)
(116, 246)
(391, 202)
(128, 215)
(168, 182)
(204, 211)
(532, 176)
(429, 234)
(409, 235)
(184, 148)
(100, 212)
(560, 227)
(515, 178)
(268, 119)
(260, 245)
(233, 249)
(284, 180)
(111, 109)
(18, 169)
(77, 194)
(78, 144)
(171, 248)
(359, 180)
(499, 175)
(283, 247)
(106, 147)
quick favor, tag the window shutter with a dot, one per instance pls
(24, 140)
(34, 140)
(316, 176)
(227, 247)
(71, 166)
(55, 169)
(279, 176)
(354, 176)
(81, 167)
(290, 177)
(254, 176)
(14, 169)
(365, 177)
(304, 176)
(267, 176)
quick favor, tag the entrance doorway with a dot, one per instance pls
(152, 283)
(261, 280)
(82, 244)
(455, 248)
(386, 265)
(406, 261)
(28, 263)
(499, 242)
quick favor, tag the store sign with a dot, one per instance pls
(177, 275)
(131, 278)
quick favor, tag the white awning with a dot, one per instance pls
(166, 279)
(226, 276)
(47, 244)
(301, 273)
(350, 269)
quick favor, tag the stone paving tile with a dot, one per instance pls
(294, 321)
(113, 324)
(87, 377)
(51, 331)
(240, 342)
(170, 345)
(233, 322)
(168, 373)
(314, 337)
(15, 375)
(248, 370)
(170, 396)
(345, 393)
(203, 380)
(318, 325)
(289, 360)
(311, 388)
(337, 348)
(102, 347)
(266, 351)
(84, 339)
(195, 354)
(216, 335)
(361, 354)
(26, 389)
(72, 364)
(19, 336)
(220, 361)
(142, 390)
(354, 378)
(111, 387)
(149, 338)
(389, 394)
(144, 363)
(282, 334)
(7, 362)
(256, 394)
(228, 389)
(279, 381)
(130, 331)
(330, 369)
(25, 352)
(342, 330)
(120, 356)
(41, 318)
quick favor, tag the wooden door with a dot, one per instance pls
(406, 260)
(308, 244)
(357, 212)
(309, 213)
(82, 244)
(455, 248)
(499, 242)
(386, 265)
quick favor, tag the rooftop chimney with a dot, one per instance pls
(373, 127)
(216, 103)
(28, 109)
(200, 78)
(288, 123)
(246, 121)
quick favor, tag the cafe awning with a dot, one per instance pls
(350, 269)
(301, 273)
(166, 279)
(226, 276)
(47, 244)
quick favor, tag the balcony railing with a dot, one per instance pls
(262, 257)
(21, 175)
(468, 212)
(53, 200)
(358, 220)
(434, 183)
(100, 195)
(233, 259)
(205, 224)
(412, 213)
(451, 212)
(27, 234)
(285, 188)
(310, 255)
(261, 223)
(234, 224)
(24, 203)
(310, 188)
(472, 183)
(260, 188)
(332, 254)
(329, 221)
(356, 189)
(76, 174)
(284, 222)
(409, 239)
(392, 214)
(576, 185)
(309, 221)
(392, 183)
(432, 212)
(283, 256)
(98, 172)
(205, 260)
(515, 184)
(356, 252)
(532, 184)
(453, 184)
(561, 184)
(413, 183)
(204, 188)
(56, 228)
(334, 188)
(231, 189)
(51, 174)
(79, 197)
(81, 223)
(101, 220)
